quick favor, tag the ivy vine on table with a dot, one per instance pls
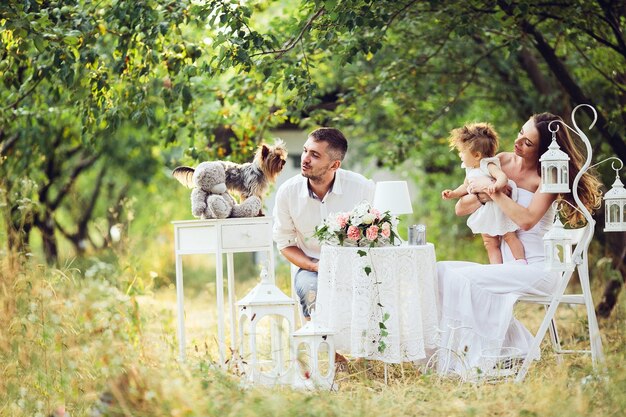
(384, 316)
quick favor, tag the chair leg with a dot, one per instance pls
(543, 328)
(597, 356)
(556, 341)
(534, 347)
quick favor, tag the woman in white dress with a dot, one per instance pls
(477, 300)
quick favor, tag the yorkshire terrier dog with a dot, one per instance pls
(250, 178)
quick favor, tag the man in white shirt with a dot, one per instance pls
(303, 201)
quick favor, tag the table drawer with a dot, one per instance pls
(197, 239)
(246, 236)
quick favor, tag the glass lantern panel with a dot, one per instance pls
(559, 254)
(272, 344)
(263, 343)
(623, 212)
(567, 254)
(303, 356)
(323, 359)
(613, 213)
(564, 176)
(552, 175)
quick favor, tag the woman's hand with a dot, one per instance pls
(479, 185)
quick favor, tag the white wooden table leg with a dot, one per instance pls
(231, 299)
(180, 300)
(219, 291)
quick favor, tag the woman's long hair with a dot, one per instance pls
(588, 186)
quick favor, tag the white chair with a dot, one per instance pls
(581, 237)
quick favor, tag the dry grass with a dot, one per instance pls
(67, 341)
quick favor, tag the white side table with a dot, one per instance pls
(224, 236)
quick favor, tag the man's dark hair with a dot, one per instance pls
(337, 143)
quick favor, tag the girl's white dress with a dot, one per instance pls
(489, 218)
(476, 301)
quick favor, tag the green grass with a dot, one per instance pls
(65, 340)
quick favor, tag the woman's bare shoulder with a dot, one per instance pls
(505, 156)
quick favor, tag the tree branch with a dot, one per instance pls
(87, 212)
(565, 79)
(592, 64)
(293, 42)
(80, 167)
(7, 144)
(397, 13)
(614, 24)
(23, 96)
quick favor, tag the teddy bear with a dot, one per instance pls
(210, 198)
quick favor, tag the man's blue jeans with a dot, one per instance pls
(306, 288)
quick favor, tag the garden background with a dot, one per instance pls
(100, 100)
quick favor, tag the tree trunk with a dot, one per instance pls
(18, 234)
(50, 248)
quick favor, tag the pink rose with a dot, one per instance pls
(386, 230)
(372, 233)
(354, 233)
(342, 219)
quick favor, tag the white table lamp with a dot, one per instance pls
(392, 196)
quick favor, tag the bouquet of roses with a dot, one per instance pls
(363, 226)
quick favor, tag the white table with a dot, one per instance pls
(401, 284)
(219, 237)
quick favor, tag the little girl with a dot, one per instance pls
(477, 144)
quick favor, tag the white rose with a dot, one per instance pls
(368, 218)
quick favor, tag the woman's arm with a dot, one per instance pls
(525, 217)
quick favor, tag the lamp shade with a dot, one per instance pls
(392, 196)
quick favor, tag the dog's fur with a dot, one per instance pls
(250, 178)
(254, 178)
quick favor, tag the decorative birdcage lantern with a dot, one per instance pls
(554, 167)
(615, 206)
(558, 248)
(314, 347)
(266, 321)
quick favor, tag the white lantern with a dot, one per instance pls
(615, 206)
(314, 347)
(266, 321)
(554, 169)
(558, 248)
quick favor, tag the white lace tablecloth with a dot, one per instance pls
(401, 283)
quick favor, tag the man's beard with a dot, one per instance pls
(316, 175)
(311, 176)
